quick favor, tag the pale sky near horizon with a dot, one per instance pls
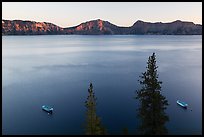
(67, 14)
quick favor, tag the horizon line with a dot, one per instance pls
(98, 19)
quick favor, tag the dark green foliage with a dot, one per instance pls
(152, 103)
(93, 122)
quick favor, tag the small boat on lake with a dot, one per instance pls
(181, 103)
(47, 108)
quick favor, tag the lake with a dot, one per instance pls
(56, 70)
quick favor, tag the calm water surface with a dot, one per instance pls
(56, 70)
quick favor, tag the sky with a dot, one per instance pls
(67, 14)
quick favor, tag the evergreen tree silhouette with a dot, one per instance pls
(152, 102)
(93, 122)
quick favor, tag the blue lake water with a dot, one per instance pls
(56, 70)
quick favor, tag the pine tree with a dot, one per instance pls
(93, 122)
(152, 102)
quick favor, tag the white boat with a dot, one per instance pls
(47, 108)
(181, 103)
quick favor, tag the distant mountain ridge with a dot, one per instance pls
(100, 27)
(19, 27)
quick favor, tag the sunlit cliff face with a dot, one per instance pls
(29, 26)
(96, 24)
(100, 24)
